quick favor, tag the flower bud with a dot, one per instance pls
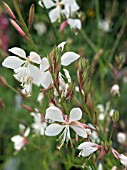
(115, 116)
(16, 26)
(63, 26)
(31, 15)
(9, 11)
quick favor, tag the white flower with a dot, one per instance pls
(115, 90)
(121, 137)
(40, 27)
(40, 97)
(25, 72)
(66, 59)
(105, 25)
(38, 125)
(46, 78)
(87, 148)
(20, 140)
(123, 159)
(55, 115)
(63, 87)
(65, 7)
(74, 24)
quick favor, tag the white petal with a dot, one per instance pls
(35, 58)
(75, 114)
(18, 51)
(88, 148)
(79, 130)
(48, 3)
(54, 14)
(74, 23)
(53, 129)
(46, 79)
(27, 132)
(21, 127)
(54, 113)
(61, 45)
(44, 64)
(68, 58)
(12, 62)
(16, 138)
(123, 159)
(67, 75)
(35, 74)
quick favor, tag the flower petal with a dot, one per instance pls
(61, 45)
(79, 130)
(48, 3)
(53, 129)
(74, 23)
(35, 58)
(54, 14)
(68, 58)
(18, 51)
(75, 114)
(35, 74)
(67, 75)
(46, 79)
(27, 132)
(44, 64)
(88, 148)
(12, 62)
(54, 113)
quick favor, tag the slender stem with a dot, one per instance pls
(98, 19)
(119, 36)
(53, 29)
(89, 42)
(24, 24)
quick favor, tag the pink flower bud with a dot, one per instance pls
(9, 11)
(63, 26)
(16, 26)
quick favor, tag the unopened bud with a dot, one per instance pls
(63, 26)
(3, 81)
(16, 26)
(115, 116)
(31, 15)
(27, 108)
(9, 11)
(115, 90)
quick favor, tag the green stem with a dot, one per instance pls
(24, 24)
(53, 29)
(119, 36)
(89, 42)
(98, 19)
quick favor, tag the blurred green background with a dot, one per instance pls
(113, 43)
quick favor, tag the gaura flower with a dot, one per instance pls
(65, 7)
(123, 159)
(25, 71)
(115, 90)
(75, 24)
(38, 125)
(20, 140)
(63, 87)
(87, 148)
(121, 137)
(54, 114)
(66, 59)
